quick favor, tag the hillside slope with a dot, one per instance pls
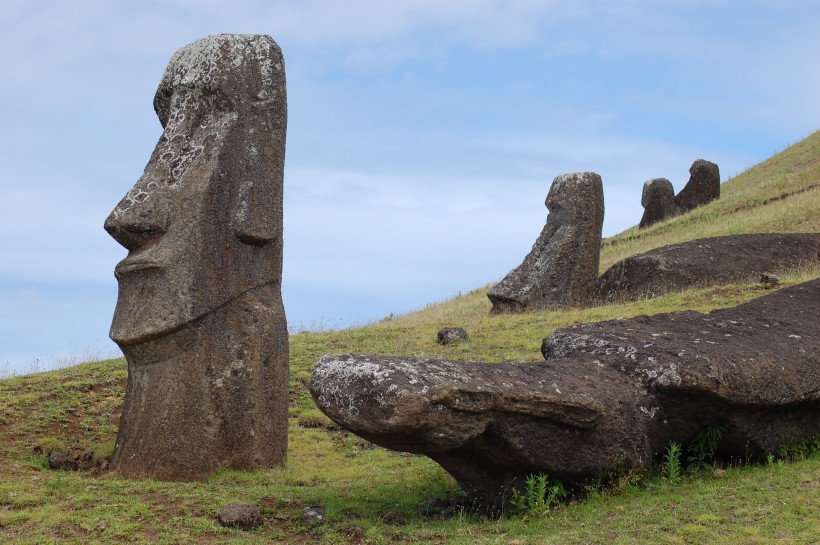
(375, 496)
(779, 195)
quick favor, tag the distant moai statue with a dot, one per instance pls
(562, 267)
(199, 315)
(658, 201)
(703, 186)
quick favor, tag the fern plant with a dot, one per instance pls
(540, 494)
(702, 449)
(671, 462)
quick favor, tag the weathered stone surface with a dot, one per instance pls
(735, 258)
(658, 201)
(450, 335)
(562, 266)
(240, 515)
(314, 514)
(199, 315)
(62, 461)
(703, 186)
(610, 397)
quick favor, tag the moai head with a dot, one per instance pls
(203, 224)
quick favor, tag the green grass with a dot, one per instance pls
(373, 495)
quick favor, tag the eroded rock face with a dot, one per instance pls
(658, 201)
(562, 266)
(609, 398)
(703, 186)
(199, 315)
(735, 258)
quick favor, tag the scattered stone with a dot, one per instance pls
(718, 260)
(769, 280)
(62, 461)
(609, 398)
(314, 515)
(658, 201)
(703, 186)
(240, 515)
(450, 335)
(199, 315)
(562, 267)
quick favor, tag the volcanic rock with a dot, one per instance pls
(562, 266)
(240, 515)
(658, 201)
(609, 398)
(450, 335)
(734, 258)
(199, 314)
(703, 186)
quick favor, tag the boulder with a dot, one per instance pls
(240, 515)
(703, 186)
(450, 335)
(609, 398)
(62, 461)
(735, 258)
(561, 268)
(658, 201)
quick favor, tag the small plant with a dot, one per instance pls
(671, 462)
(795, 452)
(541, 493)
(702, 449)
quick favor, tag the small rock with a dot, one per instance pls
(240, 515)
(719, 473)
(315, 514)
(62, 461)
(450, 335)
(769, 280)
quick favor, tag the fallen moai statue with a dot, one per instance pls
(610, 397)
(735, 258)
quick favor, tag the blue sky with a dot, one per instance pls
(423, 136)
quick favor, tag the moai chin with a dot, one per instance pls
(562, 267)
(199, 315)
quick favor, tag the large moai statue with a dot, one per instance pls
(562, 267)
(658, 201)
(199, 315)
(703, 186)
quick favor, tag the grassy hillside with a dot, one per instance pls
(373, 495)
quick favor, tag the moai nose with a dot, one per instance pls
(140, 217)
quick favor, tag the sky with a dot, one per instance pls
(423, 136)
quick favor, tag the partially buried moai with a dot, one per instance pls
(658, 201)
(562, 267)
(199, 315)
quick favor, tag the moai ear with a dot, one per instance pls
(255, 209)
